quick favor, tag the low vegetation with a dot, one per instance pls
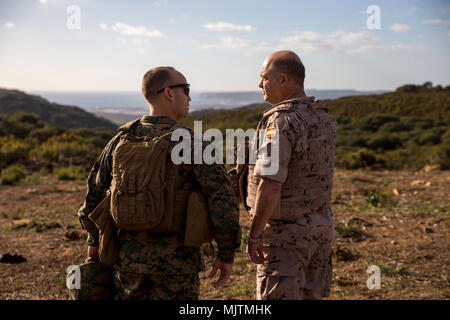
(405, 129)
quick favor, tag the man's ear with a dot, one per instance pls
(168, 94)
(284, 78)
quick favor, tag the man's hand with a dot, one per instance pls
(93, 252)
(256, 253)
(225, 272)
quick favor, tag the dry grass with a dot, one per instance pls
(397, 220)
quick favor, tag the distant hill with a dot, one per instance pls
(408, 128)
(430, 103)
(67, 117)
(256, 96)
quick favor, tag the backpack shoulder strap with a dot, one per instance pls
(127, 127)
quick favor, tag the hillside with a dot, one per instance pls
(68, 117)
(408, 128)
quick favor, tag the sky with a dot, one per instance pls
(108, 45)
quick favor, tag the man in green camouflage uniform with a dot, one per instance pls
(292, 227)
(156, 265)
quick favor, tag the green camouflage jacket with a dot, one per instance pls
(163, 253)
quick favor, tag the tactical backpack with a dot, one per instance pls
(143, 184)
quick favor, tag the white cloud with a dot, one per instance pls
(9, 25)
(226, 26)
(43, 1)
(400, 27)
(311, 41)
(436, 21)
(229, 43)
(103, 26)
(128, 30)
(394, 47)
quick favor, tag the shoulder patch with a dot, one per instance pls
(271, 132)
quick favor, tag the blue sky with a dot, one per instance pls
(220, 45)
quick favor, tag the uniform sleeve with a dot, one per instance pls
(217, 189)
(99, 181)
(277, 143)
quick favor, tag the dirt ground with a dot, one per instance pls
(398, 221)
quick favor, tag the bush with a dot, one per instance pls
(70, 173)
(64, 147)
(443, 156)
(429, 138)
(374, 121)
(12, 174)
(44, 133)
(12, 150)
(395, 127)
(362, 158)
(383, 141)
(351, 138)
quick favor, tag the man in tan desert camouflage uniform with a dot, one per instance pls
(156, 265)
(291, 217)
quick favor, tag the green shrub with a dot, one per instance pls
(44, 133)
(383, 141)
(12, 174)
(395, 127)
(12, 150)
(64, 147)
(374, 121)
(420, 123)
(352, 139)
(443, 156)
(70, 173)
(361, 159)
(429, 138)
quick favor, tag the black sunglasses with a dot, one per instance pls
(186, 86)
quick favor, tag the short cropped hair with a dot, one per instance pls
(293, 68)
(156, 79)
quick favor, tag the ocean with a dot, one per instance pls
(134, 103)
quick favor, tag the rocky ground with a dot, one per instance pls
(398, 221)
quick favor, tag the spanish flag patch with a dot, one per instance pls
(271, 132)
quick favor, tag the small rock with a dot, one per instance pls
(429, 168)
(343, 254)
(22, 223)
(12, 258)
(429, 230)
(416, 182)
(72, 235)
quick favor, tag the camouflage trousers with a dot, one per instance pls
(299, 259)
(139, 286)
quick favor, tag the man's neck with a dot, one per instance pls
(160, 113)
(300, 93)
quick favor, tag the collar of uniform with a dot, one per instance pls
(287, 104)
(158, 119)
